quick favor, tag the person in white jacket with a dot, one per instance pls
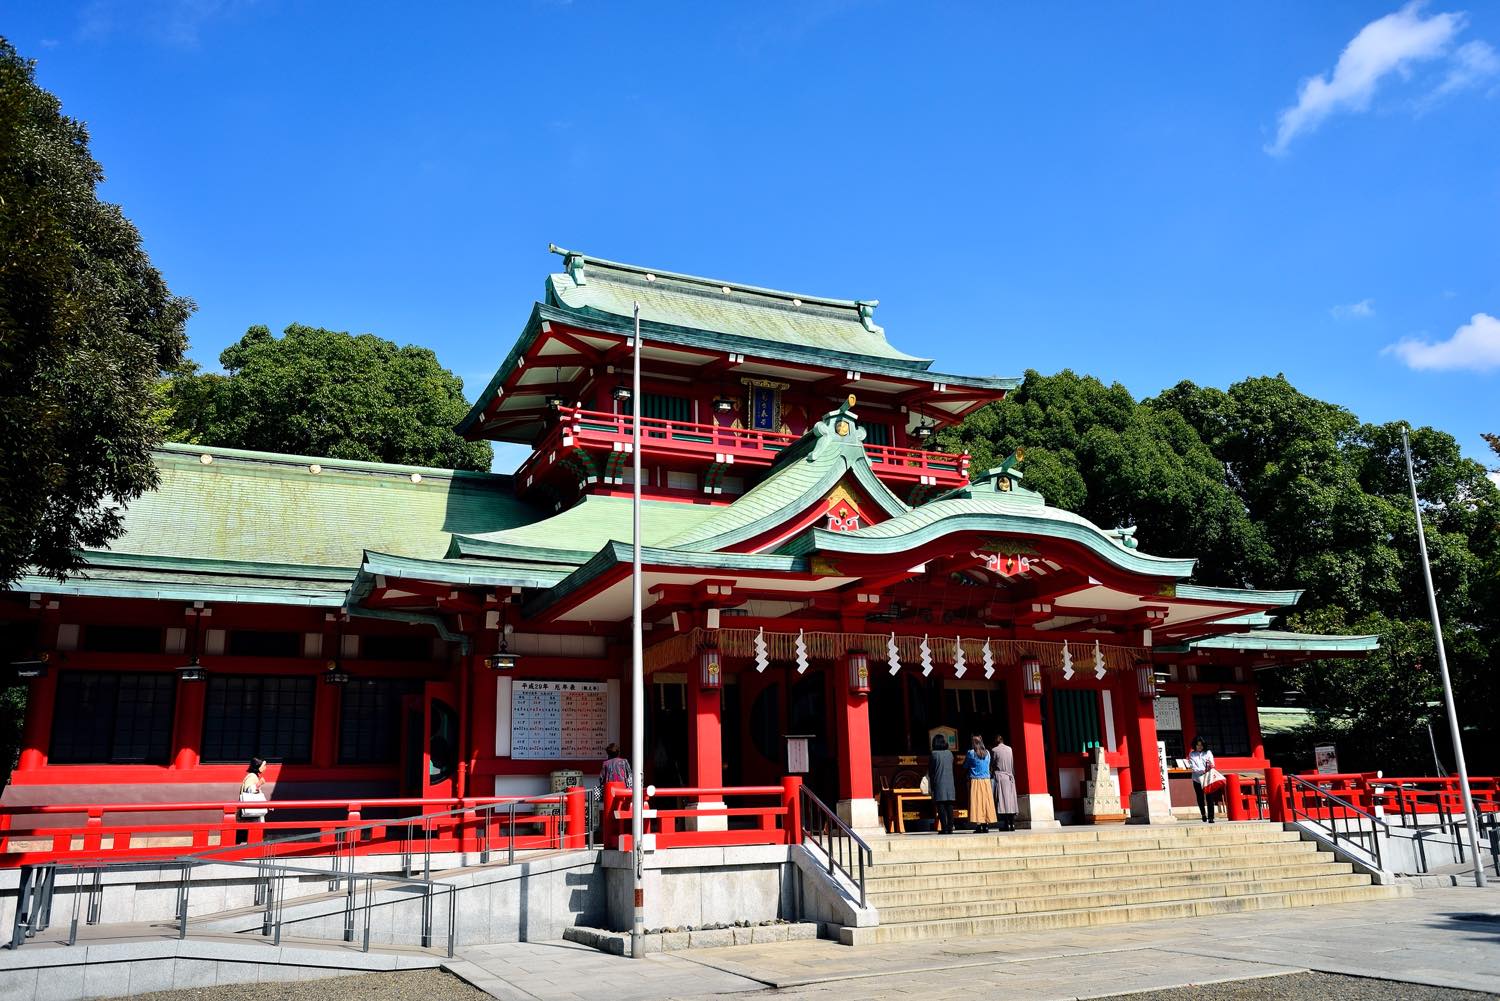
(1201, 761)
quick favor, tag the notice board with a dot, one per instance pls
(558, 719)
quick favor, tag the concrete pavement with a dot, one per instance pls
(1441, 937)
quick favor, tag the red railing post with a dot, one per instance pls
(93, 838)
(791, 798)
(610, 834)
(577, 816)
(1276, 794)
(1234, 803)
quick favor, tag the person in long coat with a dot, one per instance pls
(1003, 779)
(981, 796)
(940, 783)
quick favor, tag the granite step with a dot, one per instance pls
(1083, 917)
(981, 889)
(882, 876)
(1261, 854)
(1022, 844)
(1105, 899)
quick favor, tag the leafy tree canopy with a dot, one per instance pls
(326, 393)
(87, 325)
(1271, 488)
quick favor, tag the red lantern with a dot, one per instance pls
(859, 672)
(710, 670)
(1145, 679)
(1031, 675)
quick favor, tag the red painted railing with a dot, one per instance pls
(129, 831)
(596, 429)
(750, 815)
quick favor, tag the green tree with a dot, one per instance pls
(86, 327)
(1092, 449)
(325, 393)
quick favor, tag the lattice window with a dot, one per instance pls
(249, 716)
(113, 717)
(370, 720)
(1222, 723)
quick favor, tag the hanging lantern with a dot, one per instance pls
(191, 671)
(334, 674)
(923, 433)
(32, 667)
(725, 405)
(1145, 679)
(859, 672)
(621, 393)
(1031, 675)
(1225, 694)
(502, 659)
(710, 670)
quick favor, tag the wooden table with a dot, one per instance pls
(895, 811)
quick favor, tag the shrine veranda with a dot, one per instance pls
(811, 570)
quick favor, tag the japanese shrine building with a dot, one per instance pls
(810, 569)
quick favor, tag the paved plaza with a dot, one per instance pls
(1441, 938)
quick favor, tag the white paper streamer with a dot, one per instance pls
(801, 648)
(1098, 661)
(762, 660)
(926, 652)
(959, 664)
(989, 660)
(1067, 663)
(893, 655)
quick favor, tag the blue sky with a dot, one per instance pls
(1146, 193)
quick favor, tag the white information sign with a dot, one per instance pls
(1161, 760)
(1327, 759)
(552, 720)
(1168, 713)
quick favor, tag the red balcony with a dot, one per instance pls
(599, 436)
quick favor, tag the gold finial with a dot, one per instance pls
(851, 401)
(1020, 454)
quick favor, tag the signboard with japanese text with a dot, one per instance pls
(1168, 713)
(552, 720)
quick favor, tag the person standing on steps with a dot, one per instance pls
(981, 796)
(1201, 761)
(1003, 781)
(940, 783)
(252, 790)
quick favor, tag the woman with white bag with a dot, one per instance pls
(1208, 781)
(252, 791)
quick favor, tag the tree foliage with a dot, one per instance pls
(86, 327)
(324, 393)
(1271, 488)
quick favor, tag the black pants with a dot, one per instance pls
(944, 816)
(1205, 803)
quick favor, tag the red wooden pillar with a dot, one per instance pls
(1030, 745)
(1149, 802)
(705, 746)
(41, 697)
(856, 805)
(187, 727)
(325, 744)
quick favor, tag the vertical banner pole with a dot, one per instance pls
(1442, 656)
(637, 661)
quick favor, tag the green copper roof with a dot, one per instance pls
(1277, 641)
(576, 534)
(608, 287)
(801, 476)
(1282, 719)
(166, 578)
(991, 513)
(475, 573)
(268, 508)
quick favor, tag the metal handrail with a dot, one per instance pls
(1328, 822)
(824, 828)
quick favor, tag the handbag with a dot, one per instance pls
(925, 786)
(1213, 782)
(252, 813)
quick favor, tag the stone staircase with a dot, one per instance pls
(962, 885)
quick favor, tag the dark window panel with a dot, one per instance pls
(408, 648)
(249, 716)
(113, 717)
(264, 643)
(122, 639)
(1222, 723)
(370, 720)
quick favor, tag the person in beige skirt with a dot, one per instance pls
(981, 796)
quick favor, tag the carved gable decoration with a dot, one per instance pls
(843, 512)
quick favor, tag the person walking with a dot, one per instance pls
(252, 790)
(940, 783)
(981, 796)
(1201, 761)
(1003, 783)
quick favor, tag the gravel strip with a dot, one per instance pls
(1309, 987)
(415, 985)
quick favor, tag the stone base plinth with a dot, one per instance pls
(1152, 806)
(1035, 811)
(860, 814)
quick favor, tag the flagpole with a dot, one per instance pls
(1442, 657)
(637, 661)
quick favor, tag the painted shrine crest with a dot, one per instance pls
(843, 513)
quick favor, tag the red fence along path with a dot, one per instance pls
(751, 815)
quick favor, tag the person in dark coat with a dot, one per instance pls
(940, 783)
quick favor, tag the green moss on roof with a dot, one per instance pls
(269, 508)
(582, 530)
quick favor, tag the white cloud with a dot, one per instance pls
(1391, 44)
(1473, 63)
(1474, 346)
(1363, 309)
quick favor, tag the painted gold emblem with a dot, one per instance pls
(841, 428)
